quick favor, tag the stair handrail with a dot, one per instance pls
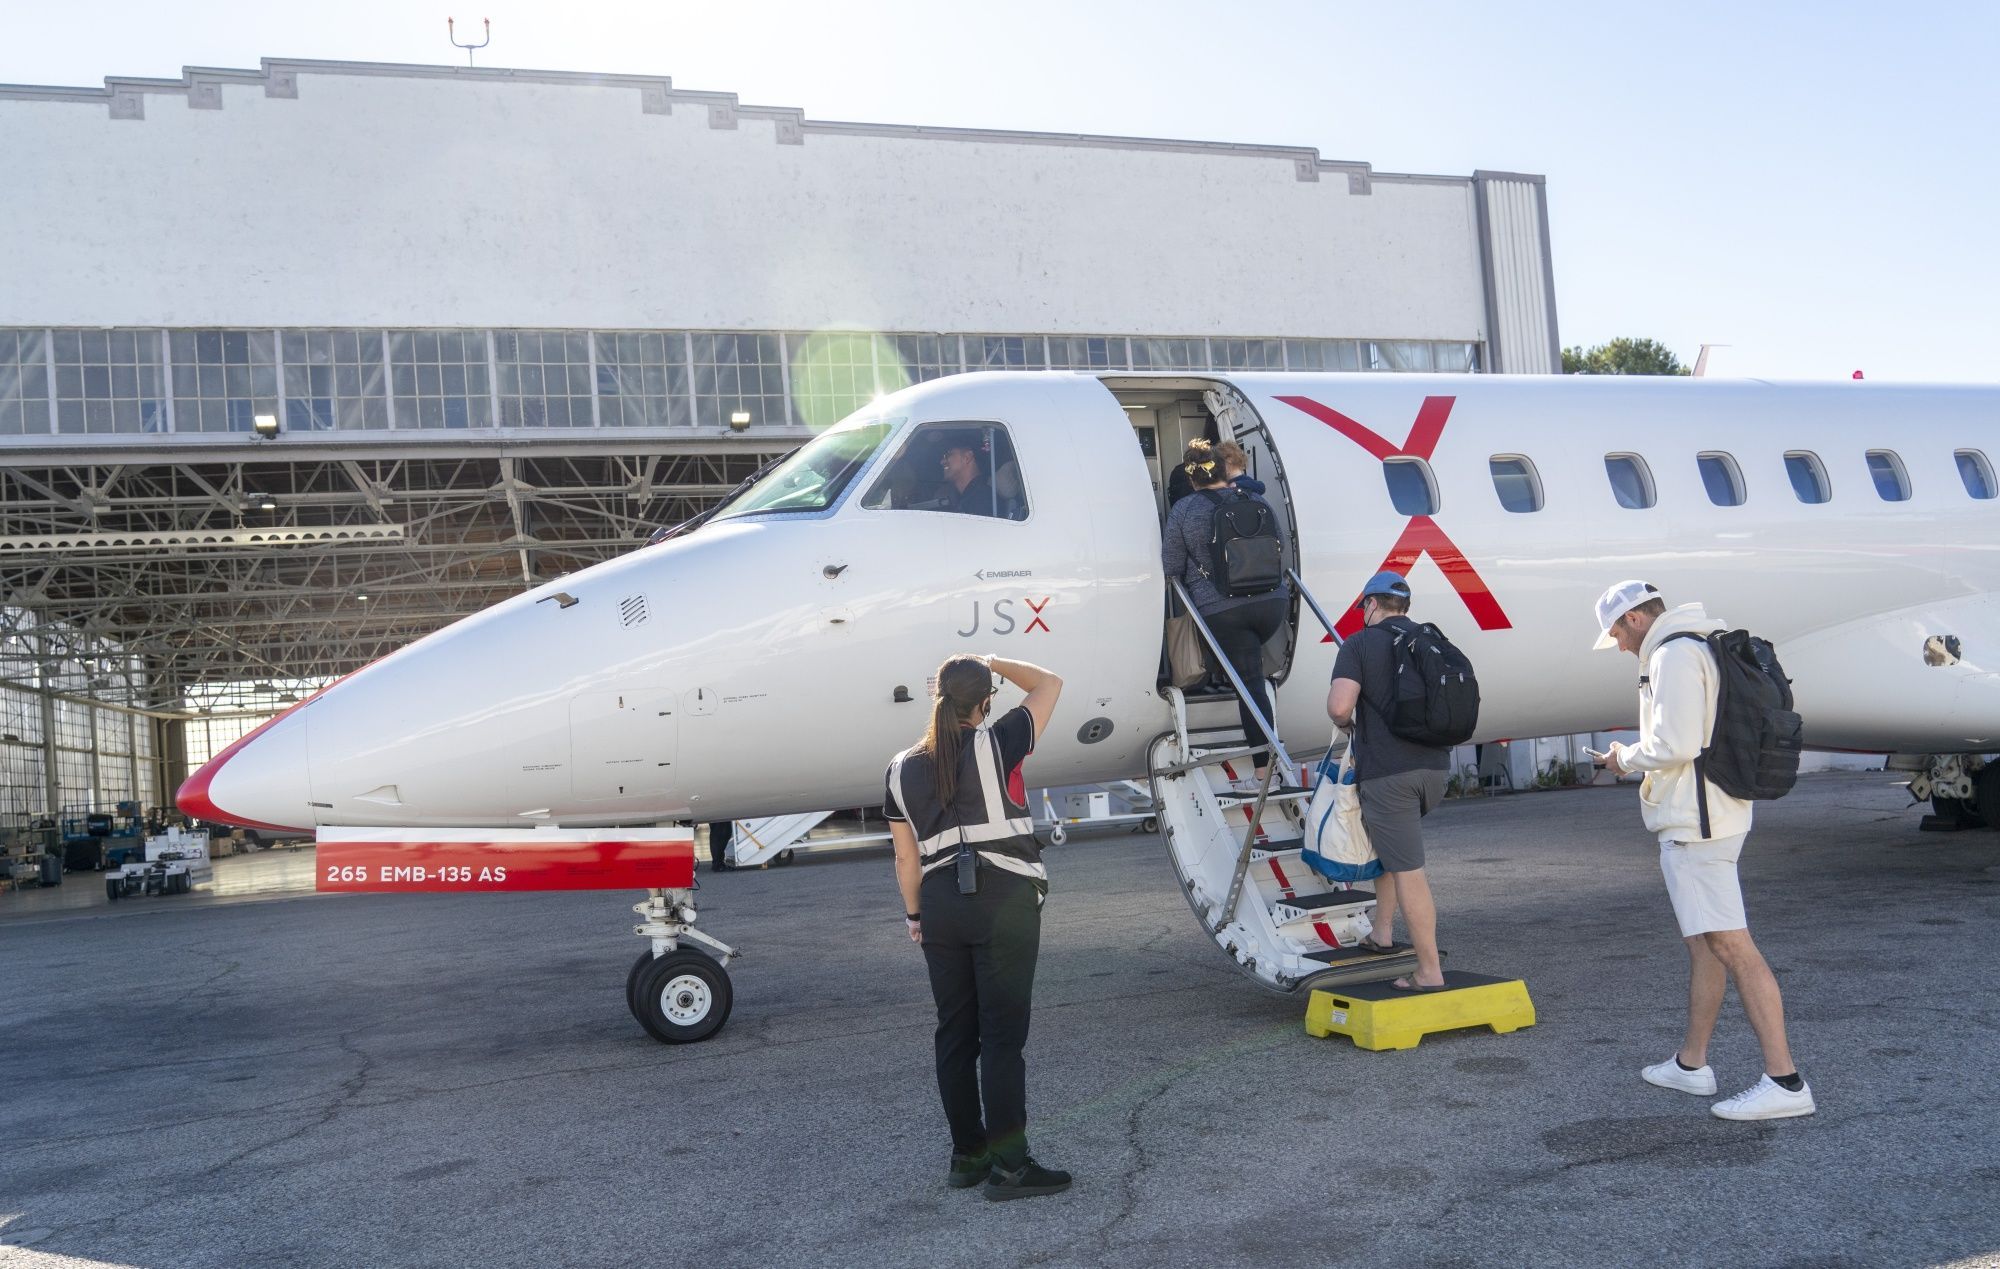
(1312, 603)
(1242, 692)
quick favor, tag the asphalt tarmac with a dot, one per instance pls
(452, 1080)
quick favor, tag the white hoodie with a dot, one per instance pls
(1676, 718)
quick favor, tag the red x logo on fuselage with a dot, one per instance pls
(1421, 536)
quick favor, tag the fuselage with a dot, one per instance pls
(772, 662)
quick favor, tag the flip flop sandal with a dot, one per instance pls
(1409, 984)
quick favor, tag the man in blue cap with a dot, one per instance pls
(1398, 780)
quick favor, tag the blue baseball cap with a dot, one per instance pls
(1385, 583)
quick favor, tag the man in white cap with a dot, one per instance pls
(1701, 831)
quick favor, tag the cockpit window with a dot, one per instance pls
(963, 468)
(813, 478)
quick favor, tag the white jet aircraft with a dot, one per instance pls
(773, 659)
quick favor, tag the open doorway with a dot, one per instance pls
(1166, 414)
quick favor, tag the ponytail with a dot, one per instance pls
(963, 684)
(941, 742)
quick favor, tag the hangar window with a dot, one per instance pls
(1892, 483)
(815, 476)
(1398, 354)
(439, 378)
(1631, 480)
(1169, 354)
(1248, 354)
(964, 468)
(1458, 358)
(834, 373)
(24, 381)
(1973, 468)
(1088, 352)
(642, 379)
(1412, 488)
(927, 357)
(544, 378)
(738, 373)
(109, 381)
(1322, 354)
(1516, 481)
(1808, 475)
(334, 379)
(1722, 478)
(1006, 352)
(223, 378)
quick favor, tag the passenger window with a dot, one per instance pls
(1808, 476)
(1514, 479)
(1891, 482)
(1412, 488)
(1631, 480)
(1722, 478)
(961, 468)
(1976, 472)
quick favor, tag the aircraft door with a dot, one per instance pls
(1236, 421)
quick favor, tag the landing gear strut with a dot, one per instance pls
(679, 993)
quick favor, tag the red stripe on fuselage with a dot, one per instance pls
(1421, 536)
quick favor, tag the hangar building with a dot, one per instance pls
(500, 324)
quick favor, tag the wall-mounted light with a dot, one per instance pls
(265, 425)
(740, 420)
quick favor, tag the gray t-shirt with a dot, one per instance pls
(1367, 659)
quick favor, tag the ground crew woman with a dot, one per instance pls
(973, 884)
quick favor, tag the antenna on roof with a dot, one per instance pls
(451, 33)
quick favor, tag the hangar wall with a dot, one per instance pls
(275, 198)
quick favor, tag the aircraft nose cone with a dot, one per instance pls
(261, 781)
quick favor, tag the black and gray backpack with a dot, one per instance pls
(1753, 752)
(1435, 697)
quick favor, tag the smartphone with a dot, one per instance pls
(1596, 758)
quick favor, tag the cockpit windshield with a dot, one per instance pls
(814, 477)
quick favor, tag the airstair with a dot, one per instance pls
(1235, 844)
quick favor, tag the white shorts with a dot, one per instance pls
(1701, 881)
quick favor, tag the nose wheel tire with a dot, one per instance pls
(681, 997)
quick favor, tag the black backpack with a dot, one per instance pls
(1244, 555)
(1434, 699)
(1753, 752)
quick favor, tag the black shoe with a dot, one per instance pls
(1027, 1181)
(968, 1170)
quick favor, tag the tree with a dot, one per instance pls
(1623, 357)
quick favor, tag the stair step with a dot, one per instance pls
(1361, 956)
(1308, 906)
(1250, 799)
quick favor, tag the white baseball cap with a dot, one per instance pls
(1615, 603)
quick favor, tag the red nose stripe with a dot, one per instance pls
(193, 798)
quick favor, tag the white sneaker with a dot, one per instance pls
(1766, 1099)
(1668, 1074)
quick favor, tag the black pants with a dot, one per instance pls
(718, 842)
(981, 952)
(1242, 632)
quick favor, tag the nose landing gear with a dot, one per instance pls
(680, 994)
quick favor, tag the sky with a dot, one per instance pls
(1809, 186)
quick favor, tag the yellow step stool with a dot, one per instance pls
(1377, 1016)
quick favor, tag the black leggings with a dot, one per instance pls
(981, 951)
(1242, 632)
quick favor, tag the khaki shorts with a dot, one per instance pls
(1701, 881)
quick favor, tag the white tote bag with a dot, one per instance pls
(1336, 843)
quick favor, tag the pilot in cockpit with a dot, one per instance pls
(966, 489)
